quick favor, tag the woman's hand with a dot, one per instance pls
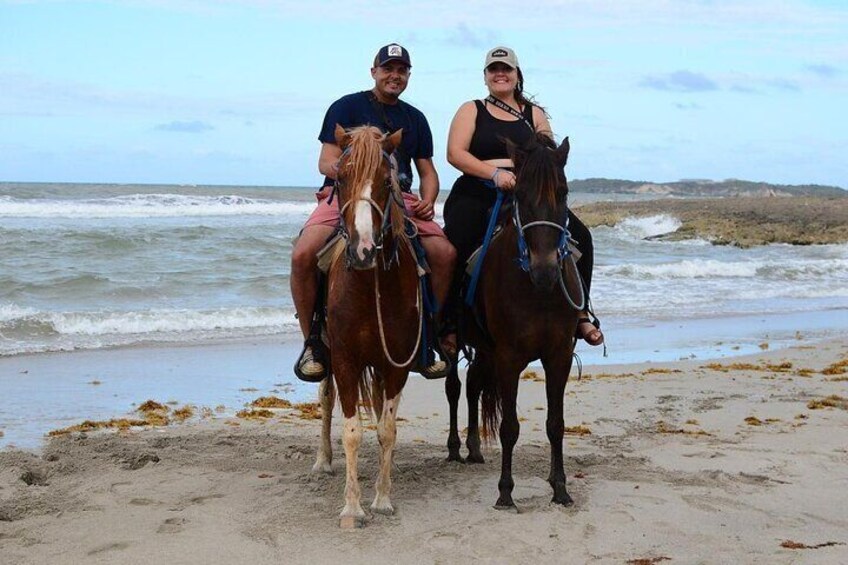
(504, 180)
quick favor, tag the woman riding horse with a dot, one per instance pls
(477, 147)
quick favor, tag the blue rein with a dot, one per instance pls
(490, 229)
(563, 251)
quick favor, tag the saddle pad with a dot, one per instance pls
(327, 254)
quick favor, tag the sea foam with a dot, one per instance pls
(151, 206)
(651, 226)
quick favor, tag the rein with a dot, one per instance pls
(563, 252)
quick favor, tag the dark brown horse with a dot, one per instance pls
(527, 303)
(373, 309)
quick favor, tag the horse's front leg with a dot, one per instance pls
(327, 398)
(352, 514)
(453, 387)
(507, 380)
(387, 434)
(556, 377)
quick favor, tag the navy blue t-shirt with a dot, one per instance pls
(357, 109)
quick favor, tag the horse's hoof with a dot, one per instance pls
(506, 504)
(475, 458)
(384, 509)
(455, 456)
(323, 468)
(564, 499)
(351, 522)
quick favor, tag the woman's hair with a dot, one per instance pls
(522, 98)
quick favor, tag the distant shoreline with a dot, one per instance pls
(681, 188)
(743, 222)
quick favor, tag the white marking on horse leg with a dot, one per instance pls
(327, 397)
(387, 432)
(351, 438)
(363, 222)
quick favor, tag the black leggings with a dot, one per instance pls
(466, 217)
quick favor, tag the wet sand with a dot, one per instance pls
(736, 461)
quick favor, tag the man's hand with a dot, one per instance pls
(423, 209)
(324, 193)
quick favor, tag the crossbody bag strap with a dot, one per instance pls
(509, 109)
(387, 123)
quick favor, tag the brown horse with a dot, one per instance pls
(525, 311)
(373, 309)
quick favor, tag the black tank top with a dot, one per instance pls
(490, 132)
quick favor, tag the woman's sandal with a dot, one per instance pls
(593, 335)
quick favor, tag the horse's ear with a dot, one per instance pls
(391, 142)
(342, 137)
(561, 152)
(516, 153)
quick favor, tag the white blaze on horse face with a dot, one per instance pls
(364, 223)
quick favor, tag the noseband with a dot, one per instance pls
(524, 251)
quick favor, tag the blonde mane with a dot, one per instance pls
(364, 163)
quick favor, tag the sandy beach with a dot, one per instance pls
(741, 460)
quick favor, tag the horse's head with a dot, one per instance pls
(368, 191)
(541, 192)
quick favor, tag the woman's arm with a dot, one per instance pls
(459, 141)
(542, 124)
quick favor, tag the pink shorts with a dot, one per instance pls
(328, 215)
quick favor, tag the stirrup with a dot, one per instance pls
(311, 366)
(438, 369)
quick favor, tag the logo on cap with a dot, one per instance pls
(498, 53)
(395, 51)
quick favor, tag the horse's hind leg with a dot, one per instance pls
(474, 381)
(327, 397)
(556, 376)
(453, 387)
(387, 434)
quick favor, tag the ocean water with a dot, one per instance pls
(112, 294)
(86, 267)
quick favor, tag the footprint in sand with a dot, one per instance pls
(109, 547)
(172, 526)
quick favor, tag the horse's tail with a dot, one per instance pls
(490, 404)
(366, 401)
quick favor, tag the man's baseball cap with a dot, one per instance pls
(503, 55)
(392, 52)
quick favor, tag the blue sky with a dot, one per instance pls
(234, 92)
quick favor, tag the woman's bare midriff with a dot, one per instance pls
(501, 163)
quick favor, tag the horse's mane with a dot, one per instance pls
(366, 156)
(538, 168)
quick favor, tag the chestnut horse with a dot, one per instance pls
(525, 311)
(373, 309)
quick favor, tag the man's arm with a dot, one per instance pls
(428, 189)
(329, 158)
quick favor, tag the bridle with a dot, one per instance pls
(384, 213)
(524, 251)
(563, 251)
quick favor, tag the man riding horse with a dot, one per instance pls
(381, 107)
